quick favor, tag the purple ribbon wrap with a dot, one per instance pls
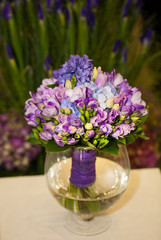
(83, 172)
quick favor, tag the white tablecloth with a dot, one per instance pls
(28, 211)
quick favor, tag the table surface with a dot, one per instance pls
(28, 211)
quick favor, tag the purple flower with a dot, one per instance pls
(6, 11)
(78, 94)
(116, 46)
(126, 8)
(62, 118)
(48, 81)
(46, 135)
(40, 11)
(112, 116)
(106, 128)
(58, 140)
(80, 105)
(16, 142)
(124, 54)
(138, 103)
(122, 130)
(92, 103)
(60, 92)
(61, 127)
(80, 131)
(31, 112)
(146, 38)
(68, 17)
(9, 51)
(81, 68)
(47, 63)
(90, 133)
(118, 80)
(74, 121)
(72, 141)
(15, 152)
(50, 110)
(101, 79)
(100, 117)
(72, 129)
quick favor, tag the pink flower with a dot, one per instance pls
(101, 79)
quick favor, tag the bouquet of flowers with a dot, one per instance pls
(83, 106)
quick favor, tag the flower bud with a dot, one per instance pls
(36, 134)
(85, 137)
(87, 115)
(72, 129)
(40, 129)
(73, 81)
(95, 142)
(90, 133)
(116, 107)
(62, 110)
(94, 74)
(55, 122)
(81, 111)
(67, 111)
(83, 119)
(81, 106)
(52, 128)
(88, 126)
(97, 136)
(122, 118)
(134, 119)
(103, 143)
(40, 106)
(68, 84)
(110, 103)
(76, 136)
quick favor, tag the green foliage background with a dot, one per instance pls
(32, 40)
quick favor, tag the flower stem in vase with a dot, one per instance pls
(84, 198)
(83, 172)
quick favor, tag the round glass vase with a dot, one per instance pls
(87, 182)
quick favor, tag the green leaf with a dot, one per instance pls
(130, 138)
(111, 148)
(32, 139)
(121, 141)
(52, 146)
(52, 85)
(143, 119)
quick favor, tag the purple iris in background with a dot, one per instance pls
(40, 11)
(47, 63)
(7, 11)
(116, 46)
(146, 38)
(124, 54)
(126, 8)
(9, 51)
(89, 12)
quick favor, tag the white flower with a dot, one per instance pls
(118, 79)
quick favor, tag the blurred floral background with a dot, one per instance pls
(36, 37)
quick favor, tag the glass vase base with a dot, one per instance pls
(87, 227)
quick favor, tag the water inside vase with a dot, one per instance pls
(111, 182)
